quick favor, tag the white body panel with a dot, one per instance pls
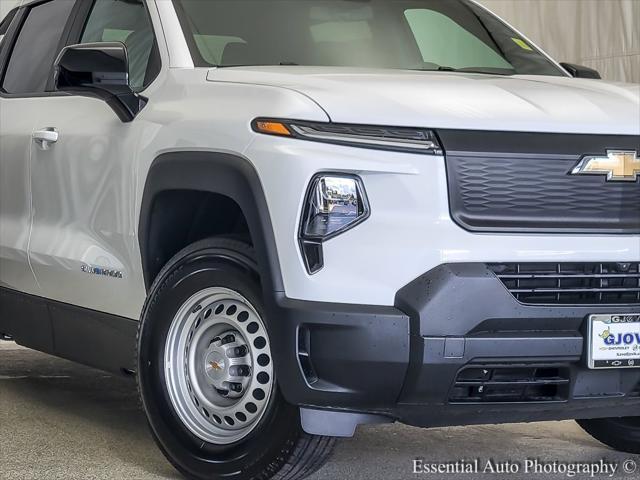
(88, 188)
(83, 192)
(458, 101)
(16, 124)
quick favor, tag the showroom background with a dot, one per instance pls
(602, 34)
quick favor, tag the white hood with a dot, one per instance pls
(456, 100)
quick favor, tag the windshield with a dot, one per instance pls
(445, 35)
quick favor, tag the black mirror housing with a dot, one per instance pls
(580, 71)
(99, 70)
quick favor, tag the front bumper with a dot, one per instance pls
(408, 362)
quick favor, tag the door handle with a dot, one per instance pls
(45, 137)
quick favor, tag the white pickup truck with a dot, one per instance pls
(287, 218)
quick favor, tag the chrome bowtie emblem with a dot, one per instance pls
(216, 366)
(618, 166)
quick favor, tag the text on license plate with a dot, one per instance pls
(614, 341)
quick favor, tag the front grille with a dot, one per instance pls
(511, 384)
(571, 283)
(522, 182)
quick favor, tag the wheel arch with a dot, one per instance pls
(225, 175)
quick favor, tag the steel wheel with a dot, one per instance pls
(218, 366)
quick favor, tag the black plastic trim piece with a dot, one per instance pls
(74, 70)
(75, 29)
(580, 71)
(6, 21)
(447, 415)
(313, 255)
(481, 142)
(78, 16)
(359, 353)
(8, 42)
(26, 319)
(220, 173)
(485, 324)
(486, 306)
(96, 339)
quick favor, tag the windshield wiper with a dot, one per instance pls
(283, 64)
(487, 71)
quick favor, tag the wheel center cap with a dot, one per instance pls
(215, 365)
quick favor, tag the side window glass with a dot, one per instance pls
(127, 22)
(36, 47)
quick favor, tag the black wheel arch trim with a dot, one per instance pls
(221, 173)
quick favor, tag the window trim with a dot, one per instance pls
(8, 19)
(7, 41)
(71, 35)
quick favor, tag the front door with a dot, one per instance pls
(26, 72)
(83, 245)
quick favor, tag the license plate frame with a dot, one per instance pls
(624, 332)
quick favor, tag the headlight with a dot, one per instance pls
(400, 139)
(334, 204)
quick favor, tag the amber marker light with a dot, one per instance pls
(271, 128)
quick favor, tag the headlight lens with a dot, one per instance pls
(398, 139)
(334, 204)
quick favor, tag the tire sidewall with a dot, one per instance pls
(622, 434)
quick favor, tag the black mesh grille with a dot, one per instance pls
(572, 283)
(511, 384)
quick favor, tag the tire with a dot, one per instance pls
(203, 312)
(622, 434)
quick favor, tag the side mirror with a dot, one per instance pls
(580, 71)
(99, 70)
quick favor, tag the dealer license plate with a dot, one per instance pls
(614, 341)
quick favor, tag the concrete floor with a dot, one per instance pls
(62, 421)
